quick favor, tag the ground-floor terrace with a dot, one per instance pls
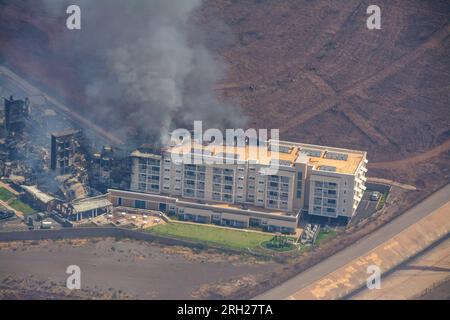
(229, 215)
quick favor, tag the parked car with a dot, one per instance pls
(375, 196)
(5, 214)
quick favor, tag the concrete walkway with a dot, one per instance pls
(8, 187)
(7, 206)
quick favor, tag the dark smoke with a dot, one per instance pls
(146, 66)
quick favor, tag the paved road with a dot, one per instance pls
(365, 209)
(361, 247)
(412, 279)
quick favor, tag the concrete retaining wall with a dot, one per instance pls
(382, 188)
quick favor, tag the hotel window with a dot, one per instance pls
(139, 204)
(200, 185)
(200, 194)
(299, 184)
(119, 201)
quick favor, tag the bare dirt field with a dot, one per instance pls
(312, 69)
(117, 269)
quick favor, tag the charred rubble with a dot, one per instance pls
(44, 156)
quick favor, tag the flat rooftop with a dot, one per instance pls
(141, 154)
(331, 159)
(321, 158)
(65, 133)
(41, 196)
(91, 204)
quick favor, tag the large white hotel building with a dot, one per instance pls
(321, 181)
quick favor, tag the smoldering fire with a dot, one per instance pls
(146, 67)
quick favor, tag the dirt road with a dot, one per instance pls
(404, 163)
(434, 41)
(142, 270)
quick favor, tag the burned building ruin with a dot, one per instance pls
(16, 115)
(64, 146)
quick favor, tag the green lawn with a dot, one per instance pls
(382, 200)
(22, 207)
(237, 239)
(5, 194)
(325, 235)
(8, 196)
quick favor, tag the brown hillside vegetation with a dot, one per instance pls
(313, 70)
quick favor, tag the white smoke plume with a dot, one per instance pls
(146, 66)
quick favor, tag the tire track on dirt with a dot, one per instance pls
(405, 163)
(432, 42)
